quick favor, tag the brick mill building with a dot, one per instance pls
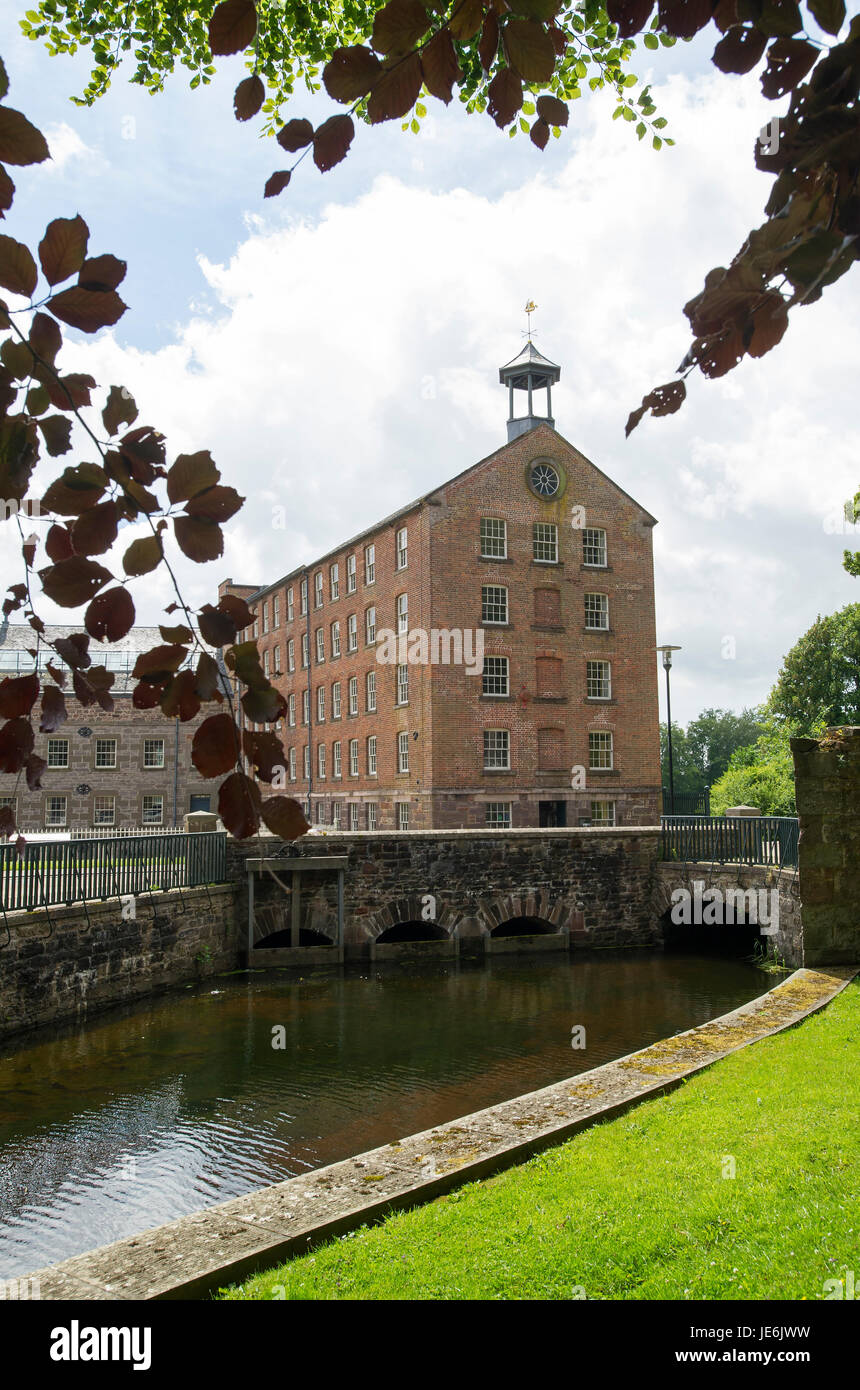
(375, 646)
(120, 768)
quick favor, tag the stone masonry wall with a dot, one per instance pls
(827, 782)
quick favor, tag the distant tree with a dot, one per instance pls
(760, 774)
(701, 752)
(820, 678)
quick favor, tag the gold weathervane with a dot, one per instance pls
(530, 309)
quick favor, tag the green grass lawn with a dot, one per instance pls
(639, 1207)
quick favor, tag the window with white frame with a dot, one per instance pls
(321, 704)
(351, 580)
(370, 564)
(276, 607)
(320, 636)
(105, 752)
(335, 640)
(371, 815)
(370, 625)
(370, 691)
(371, 756)
(321, 761)
(306, 707)
(494, 538)
(306, 761)
(291, 655)
(152, 809)
(291, 711)
(545, 542)
(335, 814)
(104, 810)
(335, 759)
(402, 549)
(353, 757)
(305, 656)
(598, 680)
(403, 752)
(352, 633)
(318, 589)
(497, 748)
(58, 752)
(403, 685)
(353, 694)
(335, 700)
(319, 813)
(303, 600)
(494, 604)
(600, 751)
(594, 546)
(9, 803)
(597, 611)
(256, 626)
(496, 680)
(292, 761)
(265, 617)
(334, 580)
(55, 810)
(353, 815)
(290, 605)
(497, 815)
(153, 752)
(403, 815)
(276, 652)
(603, 812)
(266, 664)
(402, 607)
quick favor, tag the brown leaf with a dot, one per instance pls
(110, 616)
(58, 543)
(629, 15)
(236, 609)
(74, 650)
(215, 746)
(200, 540)
(663, 400)
(248, 98)
(54, 711)
(102, 273)
(71, 392)
(829, 15)
(120, 410)
(44, 337)
(466, 20)
(529, 50)
(34, 767)
(145, 696)
(215, 504)
(718, 353)
(180, 633)
(440, 66)
(191, 474)
(263, 706)
(348, 75)
(56, 674)
(284, 817)
(788, 62)
(18, 695)
(73, 582)
(88, 310)
(20, 142)
(239, 805)
(276, 183)
(553, 111)
(18, 271)
(539, 133)
(63, 248)
(57, 434)
(536, 9)
(332, 140)
(207, 681)
(740, 49)
(504, 97)
(684, 18)
(216, 627)
(16, 744)
(93, 688)
(7, 191)
(398, 26)
(77, 489)
(143, 450)
(180, 700)
(396, 91)
(767, 325)
(18, 453)
(244, 659)
(778, 18)
(232, 27)
(159, 663)
(37, 401)
(295, 135)
(265, 753)
(95, 530)
(143, 555)
(488, 45)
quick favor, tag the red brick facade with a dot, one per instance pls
(557, 734)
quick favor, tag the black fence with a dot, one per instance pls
(50, 872)
(687, 803)
(731, 839)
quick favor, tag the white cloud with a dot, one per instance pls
(66, 146)
(350, 363)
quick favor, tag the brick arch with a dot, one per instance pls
(407, 910)
(561, 912)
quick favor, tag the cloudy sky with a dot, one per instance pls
(337, 348)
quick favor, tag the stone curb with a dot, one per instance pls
(198, 1254)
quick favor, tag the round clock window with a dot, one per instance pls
(544, 480)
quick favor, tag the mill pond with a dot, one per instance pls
(154, 1110)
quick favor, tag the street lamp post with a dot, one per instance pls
(667, 666)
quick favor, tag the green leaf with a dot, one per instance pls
(617, 112)
(657, 142)
(651, 40)
(660, 122)
(641, 129)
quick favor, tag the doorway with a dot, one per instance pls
(552, 814)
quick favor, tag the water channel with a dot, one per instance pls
(151, 1111)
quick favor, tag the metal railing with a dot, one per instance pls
(687, 803)
(50, 872)
(731, 839)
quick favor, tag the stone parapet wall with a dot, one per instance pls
(827, 783)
